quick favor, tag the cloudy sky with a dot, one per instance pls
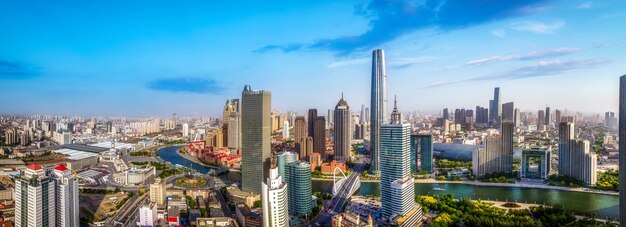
(148, 58)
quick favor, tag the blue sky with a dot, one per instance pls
(146, 58)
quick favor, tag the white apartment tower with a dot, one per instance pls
(67, 204)
(275, 200)
(34, 198)
(185, 130)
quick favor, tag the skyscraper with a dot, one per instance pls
(232, 119)
(275, 199)
(575, 158)
(298, 177)
(622, 148)
(548, 116)
(185, 130)
(508, 111)
(496, 107)
(256, 138)
(319, 136)
(517, 118)
(34, 198)
(446, 114)
(286, 130)
(378, 106)
(397, 184)
(341, 130)
(422, 147)
(557, 117)
(282, 159)
(541, 119)
(566, 137)
(496, 155)
(66, 192)
(300, 133)
(312, 114)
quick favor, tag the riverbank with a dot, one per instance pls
(489, 184)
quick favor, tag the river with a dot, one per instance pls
(606, 206)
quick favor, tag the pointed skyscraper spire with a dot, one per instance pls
(396, 117)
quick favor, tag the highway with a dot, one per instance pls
(127, 210)
(338, 202)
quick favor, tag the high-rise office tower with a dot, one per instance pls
(341, 130)
(422, 148)
(397, 184)
(298, 177)
(282, 159)
(446, 114)
(319, 136)
(300, 133)
(508, 111)
(312, 115)
(548, 117)
(496, 107)
(330, 116)
(34, 198)
(232, 121)
(541, 119)
(622, 149)
(362, 119)
(256, 137)
(557, 117)
(517, 118)
(378, 106)
(275, 199)
(506, 132)
(157, 192)
(66, 192)
(566, 138)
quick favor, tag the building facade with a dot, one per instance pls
(34, 198)
(622, 148)
(378, 106)
(275, 200)
(342, 130)
(319, 136)
(256, 138)
(66, 190)
(298, 177)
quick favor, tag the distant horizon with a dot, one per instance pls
(156, 58)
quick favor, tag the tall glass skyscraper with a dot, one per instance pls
(622, 149)
(496, 107)
(422, 145)
(255, 141)
(378, 106)
(298, 177)
(396, 183)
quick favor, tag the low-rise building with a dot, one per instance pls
(215, 222)
(329, 167)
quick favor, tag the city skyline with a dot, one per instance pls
(83, 61)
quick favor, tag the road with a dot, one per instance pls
(337, 202)
(127, 209)
(223, 204)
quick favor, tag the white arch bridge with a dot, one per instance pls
(344, 185)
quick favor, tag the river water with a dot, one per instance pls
(606, 206)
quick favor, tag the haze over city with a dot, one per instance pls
(156, 58)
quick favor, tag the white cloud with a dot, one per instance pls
(530, 56)
(499, 32)
(537, 27)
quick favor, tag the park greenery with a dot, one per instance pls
(157, 165)
(447, 164)
(608, 180)
(565, 181)
(500, 177)
(464, 212)
(144, 153)
(190, 182)
(98, 191)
